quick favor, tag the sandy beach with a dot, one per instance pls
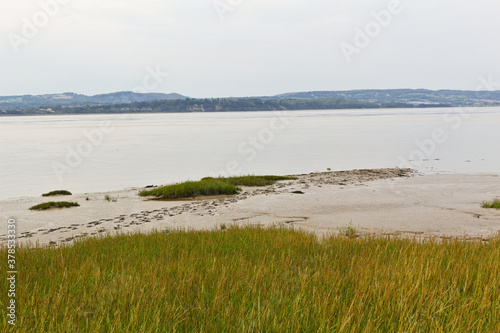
(395, 202)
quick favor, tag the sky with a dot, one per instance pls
(222, 48)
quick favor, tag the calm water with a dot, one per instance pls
(90, 153)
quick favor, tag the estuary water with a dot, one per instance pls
(92, 153)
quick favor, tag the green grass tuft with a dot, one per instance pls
(349, 232)
(58, 192)
(52, 204)
(207, 187)
(493, 204)
(256, 280)
(109, 198)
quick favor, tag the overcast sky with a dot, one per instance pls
(245, 47)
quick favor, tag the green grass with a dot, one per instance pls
(207, 187)
(58, 192)
(253, 180)
(52, 204)
(109, 198)
(256, 280)
(492, 204)
(211, 186)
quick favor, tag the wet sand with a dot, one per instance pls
(382, 202)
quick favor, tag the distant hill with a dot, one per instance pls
(71, 99)
(128, 101)
(411, 96)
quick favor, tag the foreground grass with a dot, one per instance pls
(211, 186)
(256, 280)
(492, 204)
(52, 204)
(58, 192)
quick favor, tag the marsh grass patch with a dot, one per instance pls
(210, 186)
(253, 180)
(58, 192)
(206, 187)
(52, 204)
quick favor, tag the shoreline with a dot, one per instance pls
(393, 202)
(288, 110)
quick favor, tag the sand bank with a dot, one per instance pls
(382, 201)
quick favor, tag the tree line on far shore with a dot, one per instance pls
(219, 105)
